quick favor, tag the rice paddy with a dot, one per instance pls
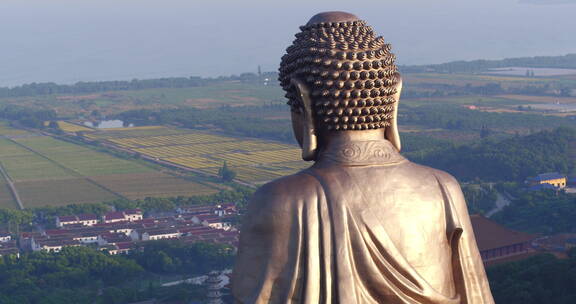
(255, 161)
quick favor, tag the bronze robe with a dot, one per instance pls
(372, 228)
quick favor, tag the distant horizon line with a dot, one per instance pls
(237, 75)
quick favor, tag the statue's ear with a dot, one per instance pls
(309, 138)
(391, 133)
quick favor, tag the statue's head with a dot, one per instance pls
(339, 77)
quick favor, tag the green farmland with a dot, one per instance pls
(48, 171)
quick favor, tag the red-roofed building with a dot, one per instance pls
(54, 245)
(113, 217)
(133, 215)
(120, 248)
(66, 220)
(87, 237)
(57, 233)
(160, 234)
(497, 242)
(88, 219)
(112, 238)
(83, 219)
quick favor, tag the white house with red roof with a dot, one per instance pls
(88, 219)
(83, 219)
(131, 215)
(159, 234)
(66, 220)
(5, 237)
(114, 217)
(56, 245)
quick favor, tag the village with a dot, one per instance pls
(119, 232)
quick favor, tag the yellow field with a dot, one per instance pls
(152, 141)
(70, 127)
(255, 161)
(136, 128)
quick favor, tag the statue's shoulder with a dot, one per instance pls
(300, 182)
(286, 191)
(442, 177)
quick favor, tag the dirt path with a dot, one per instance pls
(501, 202)
(12, 187)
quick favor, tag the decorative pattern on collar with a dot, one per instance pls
(359, 153)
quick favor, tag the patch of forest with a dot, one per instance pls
(451, 117)
(85, 87)
(86, 275)
(536, 280)
(511, 159)
(33, 118)
(544, 212)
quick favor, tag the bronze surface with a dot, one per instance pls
(362, 225)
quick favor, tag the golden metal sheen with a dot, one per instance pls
(362, 225)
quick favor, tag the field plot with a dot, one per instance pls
(49, 171)
(255, 161)
(82, 160)
(153, 184)
(5, 129)
(61, 192)
(134, 131)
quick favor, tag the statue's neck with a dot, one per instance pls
(367, 147)
(330, 138)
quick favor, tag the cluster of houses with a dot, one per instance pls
(8, 245)
(119, 232)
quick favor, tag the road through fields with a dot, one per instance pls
(13, 189)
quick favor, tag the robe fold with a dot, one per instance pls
(391, 232)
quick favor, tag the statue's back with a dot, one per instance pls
(361, 230)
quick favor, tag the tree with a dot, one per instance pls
(226, 174)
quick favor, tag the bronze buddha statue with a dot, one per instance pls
(363, 224)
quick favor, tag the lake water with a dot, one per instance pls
(107, 124)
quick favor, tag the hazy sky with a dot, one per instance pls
(66, 41)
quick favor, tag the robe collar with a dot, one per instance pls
(361, 153)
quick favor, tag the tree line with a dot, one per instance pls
(86, 275)
(86, 87)
(29, 117)
(511, 159)
(536, 280)
(544, 212)
(459, 118)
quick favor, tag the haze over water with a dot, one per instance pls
(67, 41)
